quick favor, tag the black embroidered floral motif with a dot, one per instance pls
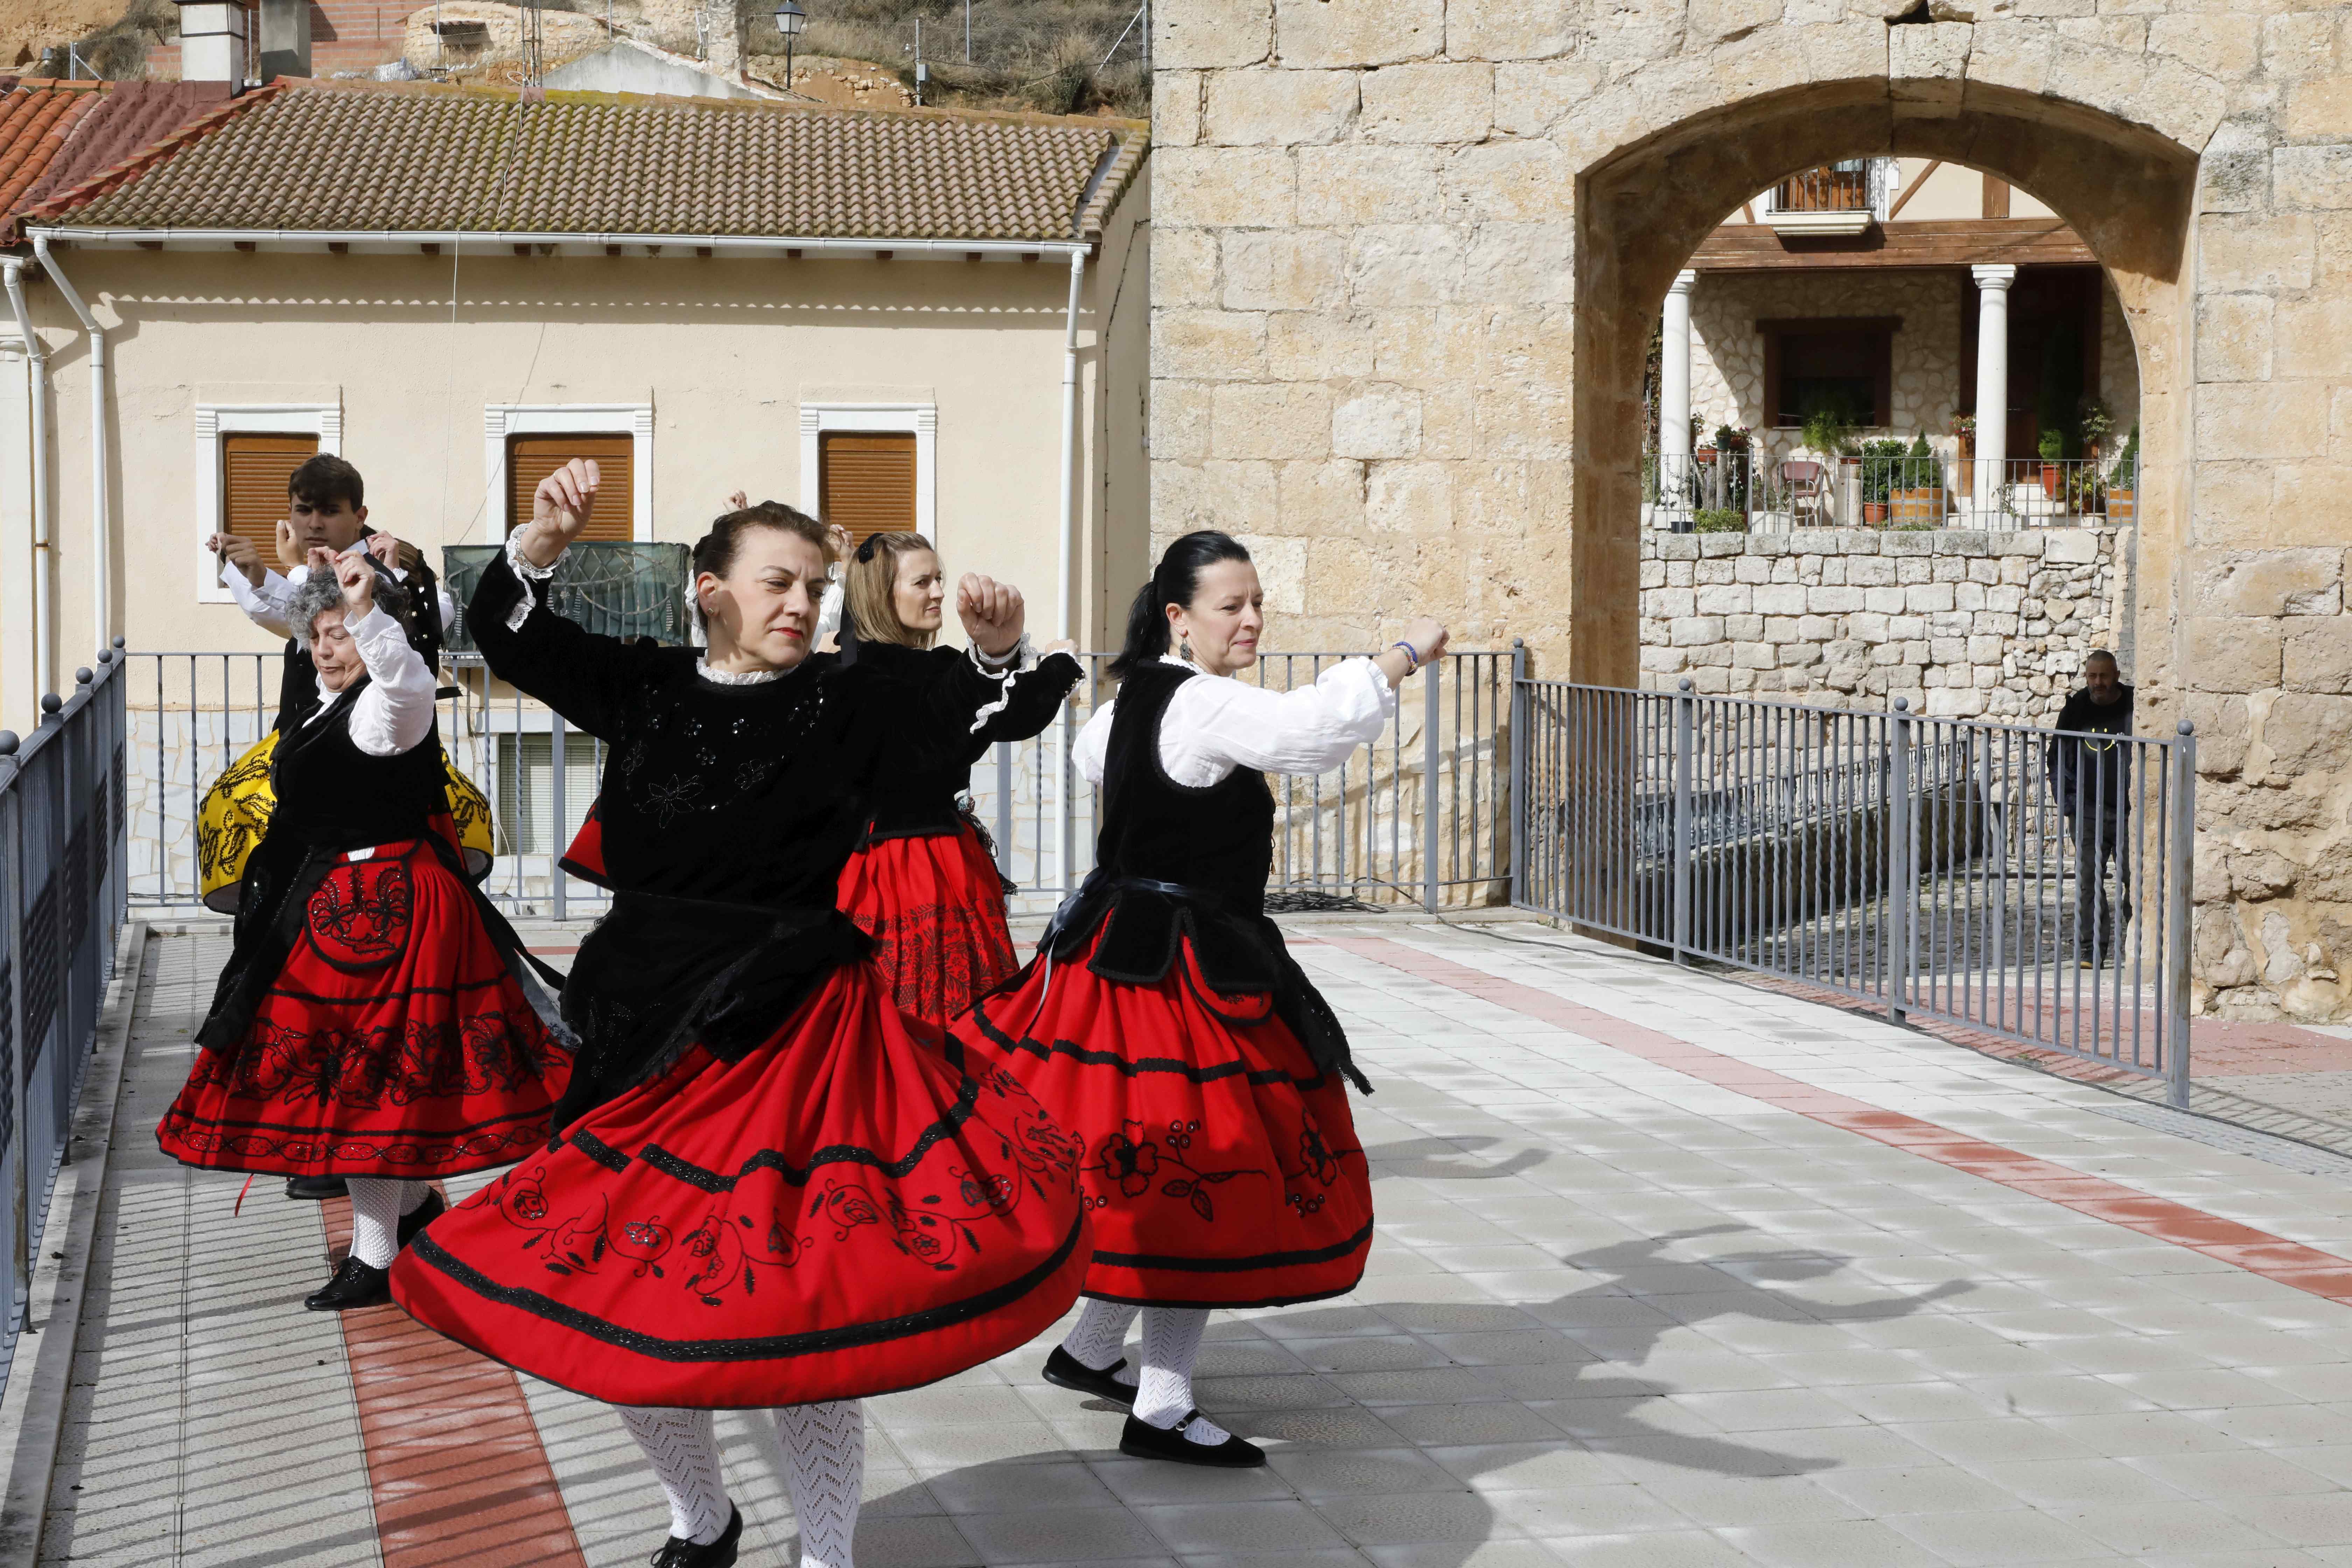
(709, 1249)
(358, 915)
(671, 801)
(940, 957)
(482, 1053)
(1132, 1164)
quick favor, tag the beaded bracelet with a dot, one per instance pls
(1412, 655)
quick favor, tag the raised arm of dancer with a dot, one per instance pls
(581, 674)
(393, 713)
(1217, 725)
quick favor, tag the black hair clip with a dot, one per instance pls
(865, 547)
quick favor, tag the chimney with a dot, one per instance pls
(213, 42)
(285, 38)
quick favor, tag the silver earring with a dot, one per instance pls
(1184, 650)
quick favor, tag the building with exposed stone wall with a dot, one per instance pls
(1407, 260)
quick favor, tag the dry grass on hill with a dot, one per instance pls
(1025, 54)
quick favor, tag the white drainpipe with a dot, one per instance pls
(101, 510)
(45, 657)
(1070, 446)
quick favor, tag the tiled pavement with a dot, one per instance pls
(1671, 1271)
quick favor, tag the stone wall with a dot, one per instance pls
(1727, 353)
(1407, 259)
(1965, 624)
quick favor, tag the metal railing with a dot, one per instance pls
(2027, 883)
(1741, 492)
(621, 589)
(1418, 816)
(63, 883)
(1860, 185)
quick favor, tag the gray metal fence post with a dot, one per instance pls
(1004, 812)
(1519, 786)
(1432, 696)
(1901, 884)
(557, 830)
(2182, 852)
(1686, 727)
(11, 916)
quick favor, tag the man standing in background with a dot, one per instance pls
(2089, 768)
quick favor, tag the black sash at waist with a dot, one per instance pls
(662, 972)
(1240, 951)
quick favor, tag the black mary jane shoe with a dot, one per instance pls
(1141, 1440)
(1063, 1370)
(423, 1214)
(356, 1284)
(316, 1189)
(678, 1552)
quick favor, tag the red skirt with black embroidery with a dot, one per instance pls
(1221, 1166)
(845, 1210)
(935, 910)
(395, 1042)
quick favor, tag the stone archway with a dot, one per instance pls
(1640, 213)
(1402, 251)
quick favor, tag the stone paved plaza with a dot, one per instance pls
(1672, 1271)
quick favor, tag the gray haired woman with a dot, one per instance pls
(377, 1020)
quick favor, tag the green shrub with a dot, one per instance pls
(1882, 461)
(1719, 519)
(2053, 446)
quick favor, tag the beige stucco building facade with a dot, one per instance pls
(1408, 258)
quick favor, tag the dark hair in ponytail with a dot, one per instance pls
(1174, 582)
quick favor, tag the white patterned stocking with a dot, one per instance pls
(1100, 1338)
(1171, 1343)
(679, 1445)
(377, 1204)
(826, 1447)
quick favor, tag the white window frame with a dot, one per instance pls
(501, 420)
(213, 420)
(921, 420)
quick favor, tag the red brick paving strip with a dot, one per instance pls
(2255, 1251)
(460, 1477)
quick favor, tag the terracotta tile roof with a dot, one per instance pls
(55, 135)
(408, 156)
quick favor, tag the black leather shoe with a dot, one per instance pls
(316, 1188)
(720, 1553)
(1063, 1370)
(355, 1285)
(1142, 1440)
(423, 1214)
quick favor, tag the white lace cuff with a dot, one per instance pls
(1017, 656)
(526, 573)
(1027, 665)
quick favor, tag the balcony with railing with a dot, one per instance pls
(1843, 198)
(621, 589)
(1738, 492)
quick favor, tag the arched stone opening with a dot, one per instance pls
(1642, 209)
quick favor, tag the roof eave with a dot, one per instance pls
(406, 241)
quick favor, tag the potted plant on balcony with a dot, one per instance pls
(1733, 448)
(2053, 462)
(1918, 495)
(2095, 422)
(1881, 463)
(2123, 483)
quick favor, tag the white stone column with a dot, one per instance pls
(1992, 384)
(1673, 378)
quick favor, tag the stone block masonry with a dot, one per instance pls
(1965, 624)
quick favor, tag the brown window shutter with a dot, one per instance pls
(530, 458)
(254, 470)
(867, 481)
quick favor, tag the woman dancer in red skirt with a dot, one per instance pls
(764, 1192)
(1163, 1023)
(377, 1020)
(923, 883)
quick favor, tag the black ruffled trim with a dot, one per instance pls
(776, 1347)
(1236, 1264)
(694, 1176)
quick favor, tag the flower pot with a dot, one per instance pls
(1873, 512)
(2053, 477)
(1919, 508)
(2122, 505)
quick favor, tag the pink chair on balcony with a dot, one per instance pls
(1807, 483)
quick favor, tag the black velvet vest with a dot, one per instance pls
(333, 795)
(297, 682)
(1174, 861)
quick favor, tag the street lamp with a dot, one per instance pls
(790, 20)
